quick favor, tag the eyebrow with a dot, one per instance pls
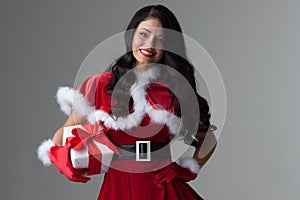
(149, 31)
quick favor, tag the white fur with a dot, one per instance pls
(64, 98)
(174, 123)
(158, 116)
(190, 163)
(91, 118)
(97, 115)
(43, 152)
(70, 99)
(144, 76)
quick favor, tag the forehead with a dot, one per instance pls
(151, 24)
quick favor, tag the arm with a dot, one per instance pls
(187, 168)
(208, 145)
(72, 120)
(56, 140)
(51, 152)
(77, 104)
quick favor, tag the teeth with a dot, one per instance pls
(146, 52)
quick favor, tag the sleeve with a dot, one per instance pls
(82, 100)
(174, 121)
(165, 107)
(88, 88)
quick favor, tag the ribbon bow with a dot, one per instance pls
(84, 137)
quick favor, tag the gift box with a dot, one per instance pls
(90, 147)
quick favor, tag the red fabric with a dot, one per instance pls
(159, 97)
(59, 156)
(150, 179)
(125, 184)
(174, 171)
(118, 185)
(93, 88)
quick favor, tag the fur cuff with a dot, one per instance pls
(43, 152)
(190, 163)
(70, 99)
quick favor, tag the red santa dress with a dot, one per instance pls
(153, 119)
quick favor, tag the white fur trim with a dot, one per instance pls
(97, 115)
(144, 76)
(190, 163)
(141, 107)
(158, 116)
(43, 152)
(174, 123)
(70, 99)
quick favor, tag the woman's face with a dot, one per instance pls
(147, 42)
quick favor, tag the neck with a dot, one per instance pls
(146, 72)
(143, 67)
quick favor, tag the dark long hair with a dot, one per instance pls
(177, 61)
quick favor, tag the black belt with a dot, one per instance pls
(143, 151)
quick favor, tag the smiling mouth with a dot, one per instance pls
(146, 53)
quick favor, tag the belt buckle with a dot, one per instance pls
(140, 147)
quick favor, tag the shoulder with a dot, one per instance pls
(160, 94)
(105, 78)
(82, 99)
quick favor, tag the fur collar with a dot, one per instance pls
(70, 99)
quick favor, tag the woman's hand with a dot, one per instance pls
(208, 146)
(59, 156)
(49, 153)
(186, 170)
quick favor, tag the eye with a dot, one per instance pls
(143, 34)
(159, 39)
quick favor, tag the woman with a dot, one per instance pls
(139, 79)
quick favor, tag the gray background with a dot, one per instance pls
(255, 44)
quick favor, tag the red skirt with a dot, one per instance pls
(124, 185)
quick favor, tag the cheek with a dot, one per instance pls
(160, 53)
(136, 42)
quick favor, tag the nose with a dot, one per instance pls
(150, 42)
